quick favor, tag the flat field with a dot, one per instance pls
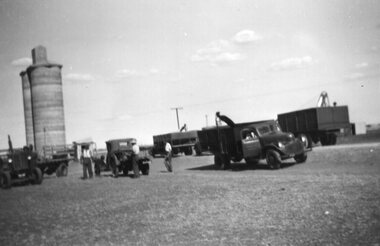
(332, 199)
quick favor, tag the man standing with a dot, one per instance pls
(168, 157)
(86, 160)
(135, 154)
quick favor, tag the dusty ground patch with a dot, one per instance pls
(332, 199)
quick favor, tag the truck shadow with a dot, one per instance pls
(241, 166)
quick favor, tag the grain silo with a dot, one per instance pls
(27, 108)
(47, 100)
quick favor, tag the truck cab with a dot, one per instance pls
(263, 139)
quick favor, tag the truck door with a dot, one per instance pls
(250, 143)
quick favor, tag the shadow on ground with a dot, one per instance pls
(240, 166)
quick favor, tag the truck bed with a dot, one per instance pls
(315, 119)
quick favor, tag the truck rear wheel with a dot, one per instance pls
(198, 149)
(36, 177)
(226, 162)
(188, 151)
(218, 160)
(222, 161)
(5, 180)
(62, 170)
(273, 159)
(145, 169)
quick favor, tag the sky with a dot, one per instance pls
(128, 64)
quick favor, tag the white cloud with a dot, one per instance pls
(355, 76)
(127, 73)
(154, 71)
(293, 63)
(219, 51)
(361, 65)
(25, 61)
(79, 77)
(246, 36)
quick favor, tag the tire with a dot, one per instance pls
(226, 161)
(5, 180)
(198, 149)
(125, 171)
(145, 170)
(273, 159)
(301, 158)
(218, 160)
(305, 139)
(36, 177)
(62, 170)
(188, 151)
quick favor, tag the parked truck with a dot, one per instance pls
(119, 157)
(181, 142)
(18, 166)
(55, 159)
(316, 124)
(250, 141)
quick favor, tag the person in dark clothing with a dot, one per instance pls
(86, 160)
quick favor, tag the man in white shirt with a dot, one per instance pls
(86, 160)
(168, 157)
(135, 155)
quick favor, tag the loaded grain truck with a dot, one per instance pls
(316, 124)
(250, 141)
(181, 142)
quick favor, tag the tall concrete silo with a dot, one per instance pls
(27, 98)
(47, 100)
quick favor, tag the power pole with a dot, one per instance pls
(176, 111)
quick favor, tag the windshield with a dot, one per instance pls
(267, 129)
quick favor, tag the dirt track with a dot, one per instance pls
(333, 198)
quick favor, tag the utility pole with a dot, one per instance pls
(176, 111)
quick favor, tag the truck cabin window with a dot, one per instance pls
(249, 135)
(264, 130)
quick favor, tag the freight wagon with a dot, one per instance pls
(316, 124)
(181, 142)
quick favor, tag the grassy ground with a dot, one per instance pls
(332, 199)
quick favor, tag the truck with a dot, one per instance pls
(119, 157)
(55, 159)
(181, 142)
(251, 141)
(18, 166)
(316, 124)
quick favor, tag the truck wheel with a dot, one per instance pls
(301, 158)
(125, 171)
(188, 151)
(62, 170)
(198, 149)
(226, 161)
(145, 170)
(218, 160)
(273, 159)
(305, 139)
(36, 177)
(5, 180)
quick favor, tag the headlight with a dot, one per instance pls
(281, 145)
(10, 160)
(29, 157)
